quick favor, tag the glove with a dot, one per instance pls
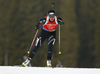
(61, 23)
(37, 27)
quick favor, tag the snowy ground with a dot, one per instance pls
(45, 70)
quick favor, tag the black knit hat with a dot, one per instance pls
(51, 13)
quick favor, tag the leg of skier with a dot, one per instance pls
(51, 41)
(41, 38)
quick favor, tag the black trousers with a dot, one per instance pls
(50, 36)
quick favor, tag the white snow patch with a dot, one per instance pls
(45, 70)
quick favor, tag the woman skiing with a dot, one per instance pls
(48, 32)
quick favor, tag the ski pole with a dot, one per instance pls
(59, 40)
(53, 4)
(33, 41)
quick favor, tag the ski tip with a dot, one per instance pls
(23, 65)
(49, 65)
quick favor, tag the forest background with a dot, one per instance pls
(80, 34)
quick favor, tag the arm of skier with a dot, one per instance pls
(40, 21)
(60, 21)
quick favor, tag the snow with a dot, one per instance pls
(45, 70)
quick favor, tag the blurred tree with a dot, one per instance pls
(69, 34)
(97, 33)
(86, 20)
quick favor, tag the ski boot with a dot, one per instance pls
(49, 63)
(25, 63)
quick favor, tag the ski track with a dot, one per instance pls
(45, 70)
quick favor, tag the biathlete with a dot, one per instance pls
(48, 32)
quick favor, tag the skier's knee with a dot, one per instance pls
(52, 41)
(38, 41)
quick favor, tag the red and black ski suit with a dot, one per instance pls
(48, 32)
